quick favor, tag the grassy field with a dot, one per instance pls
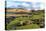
(31, 26)
(26, 22)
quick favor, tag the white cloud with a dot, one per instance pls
(25, 4)
(28, 9)
(42, 6)
(28, 0)
(10, 3)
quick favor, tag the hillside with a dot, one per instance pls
(32, 20)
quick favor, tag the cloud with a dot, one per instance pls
(15, 4)
(27, 0)
(10, 4)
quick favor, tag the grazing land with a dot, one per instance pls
(17, 19)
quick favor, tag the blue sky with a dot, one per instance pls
(16, 3)
(29, 5)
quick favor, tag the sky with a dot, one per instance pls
(28, 4)
(19, 0)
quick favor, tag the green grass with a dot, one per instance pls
(40, 15)
(31, 26)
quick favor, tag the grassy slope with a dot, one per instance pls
(31, 26)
